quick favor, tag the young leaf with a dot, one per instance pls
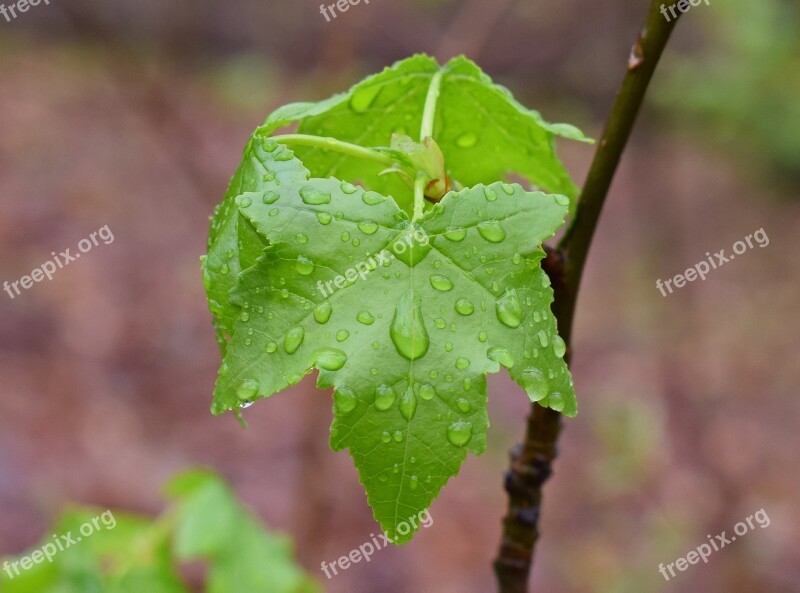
(482, 130)
(403, 319)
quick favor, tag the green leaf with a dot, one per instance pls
(484, 133)
(406, 341)
(233, 246)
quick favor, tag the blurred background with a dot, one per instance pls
(134, 115)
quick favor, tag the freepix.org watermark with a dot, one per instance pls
(59, 544)
(367, 549)
(341, 5)
(683, 6)
(48, 268)
(384, 258)
(716, 543)
(701, 269)
(12, 11)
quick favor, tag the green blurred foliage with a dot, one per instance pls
(132, 554)
(743, 87)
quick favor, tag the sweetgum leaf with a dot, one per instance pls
(483, 131)
(233, 246)
(403, 320)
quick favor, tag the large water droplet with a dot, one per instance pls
(427, 392)
(384, 397)
(368, 227)
(562, 200)
(534, 383)
(462, 363)
(407, 331)
(304, 265)
(344, 400)
(559, 347)
(243, 201)
(342, 335)
(413, 482)
(372, 198)
(455, 234)
(314, 197)
(483, 336)
(509, 309)
(270, 197)
(293, 339)
(543, 339)
(492, 231)
(271, 347)
(348, 187)
(386, 437)
(365, 317)
(408, 404)
(502, 356)
(324, 217)
(464, 307)
(247, 390)
(302, 238)
(463, 405)
(459, 433)
(556, 401)
(442, 283)
(322, 312)
(329, 359)
(490, 194)
(398, 436)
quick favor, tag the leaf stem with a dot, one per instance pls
(328, 143)
(426, 131)
(531, 462)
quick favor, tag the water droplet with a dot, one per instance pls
(274, 212)
(247, 390)
(455, 234)
(348, 188)
(483, 336)
(372, 198)
(562, 200)
(467, 383)
(559, 347)
(459, 433)
(342, 335)
(398, 436)
(463, 405)
(543, 340)
(440, 323)
(516, 259)
(545, 280)
(271, 347)
(224, 370)
(304, 265)
(314, 197)
(534, 383)
(433, 374)
(386, 437)
(270, 197)
(467, 140)
(448, 346)
(356, 242)
(344, 400)
(490, 194)
(384, 397)
(365, 317)
(502, 356)
(509, 309)
(293, 338)
(301, 238)
(368, 227)
(426, 392)
(364, 98)
(462, 363)
(284, 155)
(536, 317)
(224, 269)
(442, 283)
(407, 331)
(408, 404)
(243, 201)
(322, 312)
(556, 401)
(324, 217)
(464, 307)
(245, 316)
(345, 236)
(492, 231)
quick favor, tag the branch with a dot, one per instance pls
(531, 462)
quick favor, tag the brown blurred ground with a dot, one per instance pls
(136, 118)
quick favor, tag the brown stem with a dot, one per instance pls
(531, 462)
